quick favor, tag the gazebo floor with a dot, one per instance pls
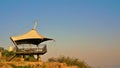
(31, 53)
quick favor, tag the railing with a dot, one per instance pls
(42, 48)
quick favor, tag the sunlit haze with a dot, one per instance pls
(85, 29)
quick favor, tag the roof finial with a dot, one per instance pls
(35, 25)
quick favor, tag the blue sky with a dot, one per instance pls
(87, 29)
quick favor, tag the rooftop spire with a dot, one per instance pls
(35, 25)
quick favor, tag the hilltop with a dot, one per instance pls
(31, 62)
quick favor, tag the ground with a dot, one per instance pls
(35, 64)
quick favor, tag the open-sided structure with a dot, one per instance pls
(31, 37)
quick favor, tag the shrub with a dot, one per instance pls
(70, 61)
(7, 53)
(30, 58)
(52, 59)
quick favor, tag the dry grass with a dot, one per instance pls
(35, 64)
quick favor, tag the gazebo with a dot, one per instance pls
(30, 37)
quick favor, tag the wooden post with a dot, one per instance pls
(0, 54)
(38, 57)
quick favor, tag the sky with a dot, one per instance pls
(85, 29)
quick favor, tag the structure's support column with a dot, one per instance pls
(38, 57)
(0, 54)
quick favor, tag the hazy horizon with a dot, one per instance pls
(86, 29)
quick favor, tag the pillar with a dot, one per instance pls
(0, 54)
(38, 57)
